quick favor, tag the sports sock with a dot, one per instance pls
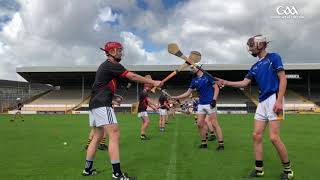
(204, 141)
(212, 133)
(116, 168)
(287, 167)
(89, 164)
(259, 166)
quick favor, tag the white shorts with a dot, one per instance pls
(102, 116)
(265, 111)
(163, 112)
(206, 109)
(142, 114)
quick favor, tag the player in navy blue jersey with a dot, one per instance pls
(208, 92)
(270, 76)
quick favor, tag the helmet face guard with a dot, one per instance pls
(195, 69)
(256, 44)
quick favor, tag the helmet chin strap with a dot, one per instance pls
(116, 59)
(254, 55)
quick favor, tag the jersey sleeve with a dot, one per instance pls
(277, 62)
(250, 74)
(118, 70)
(192, 85)
(210, 81)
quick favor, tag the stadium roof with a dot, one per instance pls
(75, 75)
(143, 68)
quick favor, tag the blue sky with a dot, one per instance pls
(66, 32)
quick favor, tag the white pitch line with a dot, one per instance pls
(171, 172)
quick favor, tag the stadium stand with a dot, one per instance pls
(293, 101)
(65, 96)
(302, 93)
(27, 92)
(232, 96)
(58, 100)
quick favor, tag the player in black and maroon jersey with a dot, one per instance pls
(144, 102)
(163, 111)
(101, 113)
(18, 111)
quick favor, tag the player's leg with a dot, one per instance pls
(202, 130)
(114, 152)
(160, 119)
(210, 128)
(214, 121)
(91, 151)
(102, 145)
(161, 123)
(173, 113)
(105, 119)
(201, 115)
(114, 136)
(20, 115)
(166, 118)
(162, 113)
(259, 127)
(274, 134)
(206, 129)
(89, 138)
(144, 126)
(14, 116)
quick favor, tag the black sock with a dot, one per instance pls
(221, 143)
(89, 164)
(259, 166)
(116, 169)
(204, 141)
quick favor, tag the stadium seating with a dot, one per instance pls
(11, 90)
(293, 101)
(65, 96)
(61, 100)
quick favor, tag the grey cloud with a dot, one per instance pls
(60, 33)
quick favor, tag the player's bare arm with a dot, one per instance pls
(137, 78)
(151, 104)
(216, 91)
(184, 95)
(282, 89)
(237, 84)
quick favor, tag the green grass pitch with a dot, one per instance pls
(34, 149)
